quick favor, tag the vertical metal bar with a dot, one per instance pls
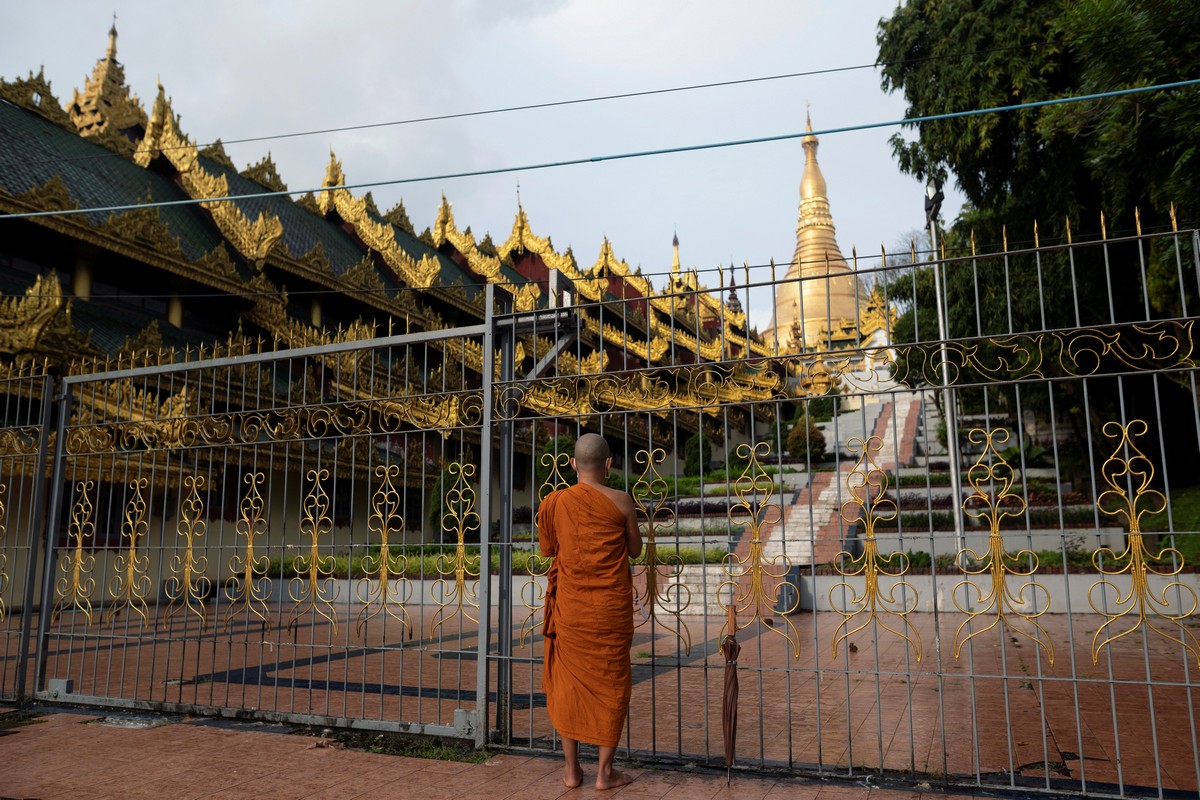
(505, 577)
(948, 395)
(31, 561)
(487, 458)
(63, 401)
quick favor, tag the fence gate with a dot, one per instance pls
(287, 536)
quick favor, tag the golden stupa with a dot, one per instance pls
(820, 299)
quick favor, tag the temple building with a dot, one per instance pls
(139, 286)
(821, 305)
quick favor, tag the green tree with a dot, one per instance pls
(697, 455)
(1047, 164)
(1137, 150)
(805, 440)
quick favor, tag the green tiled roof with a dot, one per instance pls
(302, 229)
(33, 150)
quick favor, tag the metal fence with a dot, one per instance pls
(345, 534)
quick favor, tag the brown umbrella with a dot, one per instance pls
(729, 699)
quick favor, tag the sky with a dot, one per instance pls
(236, 69)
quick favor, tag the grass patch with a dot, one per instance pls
(399, 745)
(20, 717)
(424, 564)
(1185, 509)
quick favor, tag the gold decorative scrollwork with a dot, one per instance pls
(533, 594)
(313, 589)
(76, 584)
(3, 555)
(386, 569)
(650, 496)
(749, 575)
(459, 518)
(1125, 470)
(1081, 352)
(130, 585)
(869, 505)
(993, 499)
(188, 586)
(249, 587)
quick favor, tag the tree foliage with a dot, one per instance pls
(1073, 159)
(805, 440)
(1046, 165)
(697, 455)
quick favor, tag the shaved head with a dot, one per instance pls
(591, 451)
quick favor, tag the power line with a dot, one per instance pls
(985, 251)
(572, 102)
(616, 156)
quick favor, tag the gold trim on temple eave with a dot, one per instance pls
(378, 236)
(523, 239)
(445, 230)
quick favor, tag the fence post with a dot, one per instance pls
(31, 571)
(507, 339)
(63, 402)
(486, 461)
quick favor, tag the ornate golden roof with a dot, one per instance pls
(105, 108)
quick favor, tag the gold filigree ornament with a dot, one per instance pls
(384, 586)
(749, 575)
(3, 555)
(249, 587)
(131, 584)
(993, 479)
(533, 591)
(1130, 474)
(188, 586)
(869, 505)
(457, 597)
(76, 583)
(650, 496)
(313, 588)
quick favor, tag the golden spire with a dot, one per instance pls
(106, 108)
(111, 55)
(827, 291)
(675, 261)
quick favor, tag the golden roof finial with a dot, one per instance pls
(106, 106)
(675, 260)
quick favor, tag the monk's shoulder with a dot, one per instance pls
(620, 499)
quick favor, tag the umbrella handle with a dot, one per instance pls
(731, 623)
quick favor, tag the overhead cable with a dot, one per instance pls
(615, 156)
(571, 102)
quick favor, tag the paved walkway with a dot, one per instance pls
(77, 755)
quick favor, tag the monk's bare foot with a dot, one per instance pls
(573, 778)
(614, 779)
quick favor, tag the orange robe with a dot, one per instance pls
(588, 624)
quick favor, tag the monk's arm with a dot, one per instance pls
(633, 535)
(547, 541)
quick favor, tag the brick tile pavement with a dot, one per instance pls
(66, 754)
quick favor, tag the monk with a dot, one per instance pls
(592, 532)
